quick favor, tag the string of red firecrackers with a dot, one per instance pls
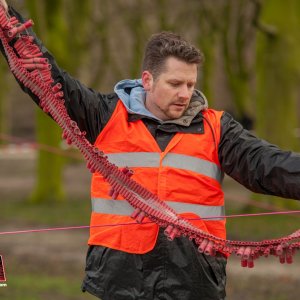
(34, 71)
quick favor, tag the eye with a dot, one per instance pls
(191, 85)
(175, 84)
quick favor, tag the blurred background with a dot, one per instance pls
(251, 69)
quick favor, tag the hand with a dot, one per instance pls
(4, 4)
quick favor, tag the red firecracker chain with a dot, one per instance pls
(33, 71)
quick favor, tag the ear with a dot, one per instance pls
(147, 80)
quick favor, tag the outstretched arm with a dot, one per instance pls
(257, 164)
(90, 109)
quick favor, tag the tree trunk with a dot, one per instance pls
(278, 65)
(237, 36)
(50, 25)
(3, 103)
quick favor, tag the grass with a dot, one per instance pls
(261, 227)
(71, 212)
(29, 275)
(37, 286)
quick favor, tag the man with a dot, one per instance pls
(161, 127)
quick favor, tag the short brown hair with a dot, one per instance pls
(162, 45)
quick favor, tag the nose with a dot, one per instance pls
(184, 93)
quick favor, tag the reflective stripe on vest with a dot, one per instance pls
(178, 161)
(123, 208)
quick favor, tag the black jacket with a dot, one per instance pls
(254, 163)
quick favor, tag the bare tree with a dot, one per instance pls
(278, 73)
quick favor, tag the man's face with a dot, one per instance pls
(169, 95)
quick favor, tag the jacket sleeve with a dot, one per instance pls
(89, 108)
(257, 164)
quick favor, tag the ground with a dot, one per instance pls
(48, 265)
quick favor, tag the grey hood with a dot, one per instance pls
(133, 96)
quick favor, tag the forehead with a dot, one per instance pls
(175, 68)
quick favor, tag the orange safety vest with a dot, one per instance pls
(187, 175)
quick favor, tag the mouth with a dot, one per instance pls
(179, 105)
